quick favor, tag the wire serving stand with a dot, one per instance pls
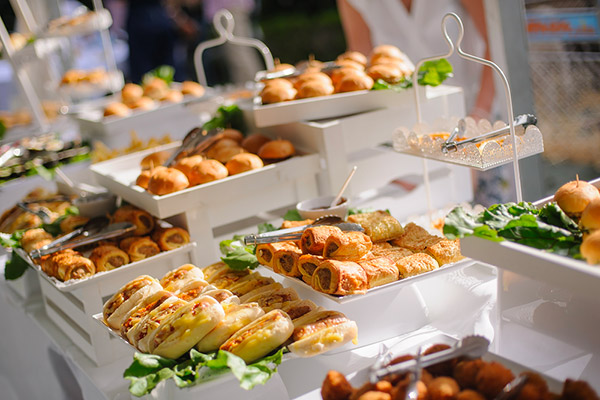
(224, 23)
(427, 142)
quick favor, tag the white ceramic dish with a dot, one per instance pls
(318, 207)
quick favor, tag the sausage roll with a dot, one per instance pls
(186, 327)
(381, 247)
(170, 238)
(108, 257)
(236, 317)
(263, 289)
(415, 238)
(72, 222)
(33, 239)
(320, 331)
(249, 283)
(228, 279)
(117, 307)
(74, 267)
(266, 251)
(179, 277)
(143, 333)
(273, 299)
(379, 270)
(340, 277)
(223, 296)
(349, 246)
(297, 308)
(192, 290)
(394, 253)
(285, 261)
(445, 251)
(307, 264)
(139, 247)
(142, 309)
(313, 239)
(143, 221)
(260, 337)
(416, 264)
(49, 263)
(380, 226)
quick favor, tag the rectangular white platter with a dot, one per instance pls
(118, 175)
(335, 105)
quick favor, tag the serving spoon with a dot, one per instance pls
(344, 186)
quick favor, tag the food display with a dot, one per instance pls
(82, 22)
(343, 263)
(23, 117)
(149, 239)
(460, 378)
(101, 152)
(77, 76)
(350, 72)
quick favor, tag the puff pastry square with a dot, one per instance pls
(379, 225)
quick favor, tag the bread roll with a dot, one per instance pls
(155, 88)
(275, 94)
(192, 88)
(233, 134)
(186, 327)
(386, 50)
(320, 331)
(170, 238)
(353, 82)
(573, 197)
(206, 171)
(142, 309)
(131, 93)
(172, 96)
(312, 76)
(143, 103)
(116, 109)
(276, 150)
(314, 88)
(590, 217)
(224, 154)
(243, 162)
(186, 164)
(385, 72)
(252, 143)
(236, 317)
(590, 248)
(144, 177)
(167, 180)
(355, 56)
(260, 337)
(117, 307)
(107, 257)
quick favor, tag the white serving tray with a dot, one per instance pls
(119, 175)
(334, 105)
(100, 20)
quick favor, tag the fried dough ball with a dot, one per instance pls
(466, 372)
(535, 388)
(374, 395)
(491, 379)
(335, 387)
(469, 394)
(578, 390)
(444, 368)
(442, 388)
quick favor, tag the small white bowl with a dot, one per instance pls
(318, 207)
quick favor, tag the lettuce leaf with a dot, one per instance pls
(431, 73)
(292, 215)
(164, 72)
(240, 259)
(15, 267)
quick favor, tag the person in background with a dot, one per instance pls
(415, 27)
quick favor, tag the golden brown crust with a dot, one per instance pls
(179, 277)
(74, 266)
(116, 109)
(108, 257)
(285, 261)
(379, 271)
(416, 264)
(155, 159)
(192, 88)
(340, 278)
(445, 251)
(155, 88)
(228, 279)
(142, 219)
(243, 162)
(312, 76)
(266, 251)
(167, 180)
(314, 88)
(131, 93)
(415, 238)
(351, 82)
(355, 56)
(386, 72)
(207, 171)
(379, 225)
(142, 248)
(33, 239)
(277, 93)
(349, 246)
(252, 143)
(313, 238)
(277, 150)
(170, 238)
(72, 222)
(307, 264)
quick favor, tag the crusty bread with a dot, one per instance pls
(276, 150)
(167, 180)
(243, 162)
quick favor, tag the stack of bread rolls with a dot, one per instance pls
(230, 155)
(344, 263)
(216, 308)
(355, 72)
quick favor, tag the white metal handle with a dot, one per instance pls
(224, 23)
(470, 57)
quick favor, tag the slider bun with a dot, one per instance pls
(573, 197)
(349, 64)
(131, 92)
(320, 331)
(277, 93)
(263, 289)
(351, 82)
(314, 88)
(155, 159)
(177, 278)
(243, 162)
(186, 327)
(260, 337)
(386, 72)
(281, 66)
(223, 296)
(276, 150)
(192, 88)
(312, 76)
(172, 96)
(236, 317)
(143, 103)
(338, 74)
(590, 217)
(167, 180)
(252, 143)
(233, 134)
(386, 50)
(155, 88)
(116, 109)
(186, 164)
(206, 171)
(590, 248)
(355, 56)
(224, 154)
(279, 82)
(118, 306)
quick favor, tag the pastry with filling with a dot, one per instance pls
(127, 297)
(349, 246)
(139, 247)
(313, 238)
(314, 88)
(260, 291)
(142, 334)
(354, 81)
(223, 296)
(155, 88)
(142, 309)
(340, 278)
(277, 90)
(249, 283)
(72, 222)
(49, 263)
(445, 251)
(393, 253)
(260, 337)
(170, 238)
(273, 299)
(192, 88)
(312, 76)
(416, 264)
(307, 264)
(295, 224)
(379, 271)
(228, 279)
(380, 247)
(107, 258)
(179, 277)
(34, 239)
(355, 56)
(192, 290)
(215, 270)
(285, 261)
(74, 267)
(186, 327)
(320, 331)
(131, 93)
(379, 225)
(143, 221)
(117, 110)
(265, 251)
(236, 317)
(297, 308)
(415, 238)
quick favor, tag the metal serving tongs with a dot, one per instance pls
(452, 145)
(111, 231)
(196, 141)
(284, 235)
(470, 346)
(46, 215)
(293, 72)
